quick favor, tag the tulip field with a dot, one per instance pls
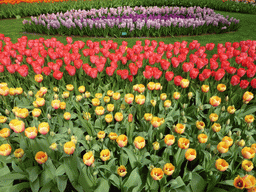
(112, 99)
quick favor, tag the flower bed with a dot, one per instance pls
(100, 123)
(102, 139)
(140, 21)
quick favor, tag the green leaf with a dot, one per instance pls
(134, 181)
(197, 183)
(131, 156)
(84, 179)
(177, 183)
(60, 170)
(62, 182)
(216, 189)
(35, 185)
(248, 111)
(227, 182)
(16, 168)
(103, 185)
(33, 173)
(13, 176)
(20, 187)
(114, 180)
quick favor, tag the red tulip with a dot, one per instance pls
(133, 69)
(201, 77)
(250, 72)
(177, 80)
(231, 70)
(193, 58)
(37, 69)
(244, 84)
(235, 80)
(151, 60)
(110, 70)
(10, 69)
(147, 42)
(175, 62)
(78, 63)
(169, 75)
(165, 64)
(71, 70)
(219, 74)
(210, 46)
(139, 64)
(157, 73)
(46, 70)
(23, 70)
(186, 67)
(235, 45)
(130, 78)
(168, 54)
(93, 73)
(176, 50)
(169, 47)
(206, 73)
(241, 72)
(194, 73)
(146, 55)
(225, 65)
(199, 63)
(253, 83)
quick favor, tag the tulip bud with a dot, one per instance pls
(30, 93)
(182, 113)
(49, 116)
(211, 173)
(7, 112)
(161, 135)
(151, 167)
(184, 106)
(52, 133)
(236, 142)
(226, 99)
(229, 133)
(238, 133)
(56, 96)
(228, 121)
(198, 109)
(241, 143)
(87, 137)
(69, 131)
(95, 173)
(223, 108)
(185, 120)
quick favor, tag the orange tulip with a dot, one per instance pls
(222, 147)
(88, 158)
(139, 142)
(248, 152)
(190, 154)
(247, 165)
(105, 155)
(5, 149)
(168, 169)
(202, 138)
(157, 173)
(121, 171)
(169, 139)
(183, 143)
(122, 140)
(221, 165)
(41, 157)
(69, 147)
